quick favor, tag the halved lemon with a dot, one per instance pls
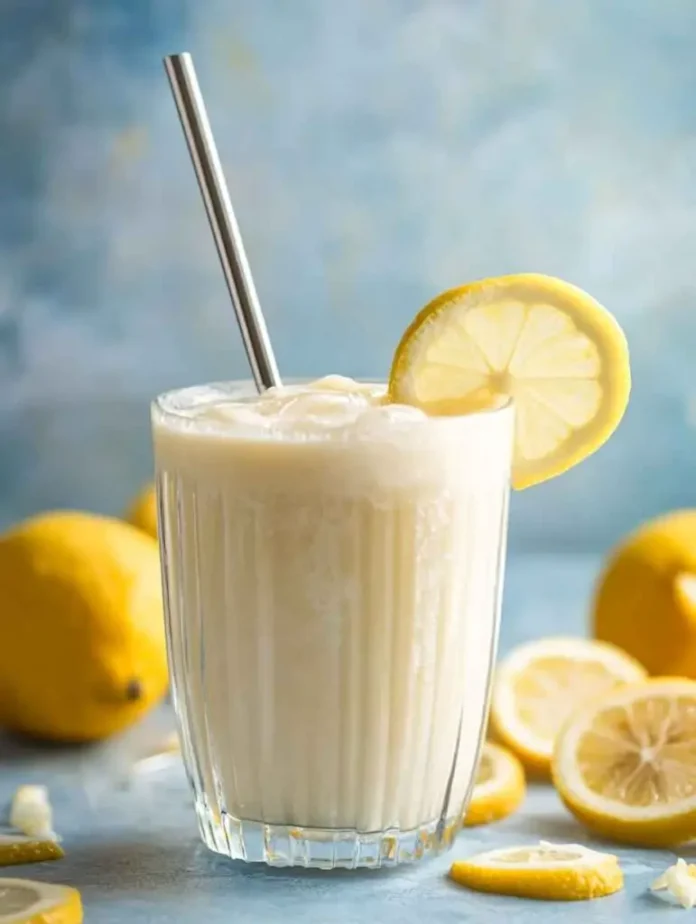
(25, 902)
(18, 848)
(625, 765)
(538, 685)
(557, 872)
(499, 789)
(548, 345)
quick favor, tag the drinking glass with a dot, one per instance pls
(332, 607)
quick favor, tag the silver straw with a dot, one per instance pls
(223, 224)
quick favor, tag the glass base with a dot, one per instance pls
(322, 848)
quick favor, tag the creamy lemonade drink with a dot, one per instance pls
(332, 555)
(333, 566)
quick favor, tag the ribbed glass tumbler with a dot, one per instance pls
(332, 612)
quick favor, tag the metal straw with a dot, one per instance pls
(223, 224)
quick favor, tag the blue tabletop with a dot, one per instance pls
(133, 851)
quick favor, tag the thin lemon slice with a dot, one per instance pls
(18, 848)
(26, 902)
(558, 872)
(625, 764)
(539, 684)
(545, 343)
(500, 786)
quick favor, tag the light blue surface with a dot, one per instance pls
(378, 152)
(133, 851)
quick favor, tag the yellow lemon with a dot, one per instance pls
(555, 872)
(546, 344)
(646, 597)
(83, 651)
(143, 511)
(539, 684)
(625, 765)
(25, 902)
(499, 789)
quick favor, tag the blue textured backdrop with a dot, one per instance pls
(378, 151)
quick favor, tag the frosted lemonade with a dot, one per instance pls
(332, 558)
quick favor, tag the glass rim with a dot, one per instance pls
(163, 404)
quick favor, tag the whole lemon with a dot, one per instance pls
(143, 511)
(646, 598)
(82, 650)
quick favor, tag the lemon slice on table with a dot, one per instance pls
(539, 684)
(26, 902)
(18, 848)
(499, 789)
(625, 765)
(560, 872)
(548, 345)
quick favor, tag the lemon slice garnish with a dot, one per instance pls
(539, 684)
(26, 902)
(560, 872)
(499, 789)
(548, 345)
(625, 764)
(18, 848)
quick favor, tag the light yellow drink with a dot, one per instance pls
(332, 570)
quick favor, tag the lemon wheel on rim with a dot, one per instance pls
(546, 344)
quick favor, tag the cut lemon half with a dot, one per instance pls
(26, 902)
(499, 789)
(538, 685)
(17, 848)
(556, 872)
(546, 344)
(625, 765)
